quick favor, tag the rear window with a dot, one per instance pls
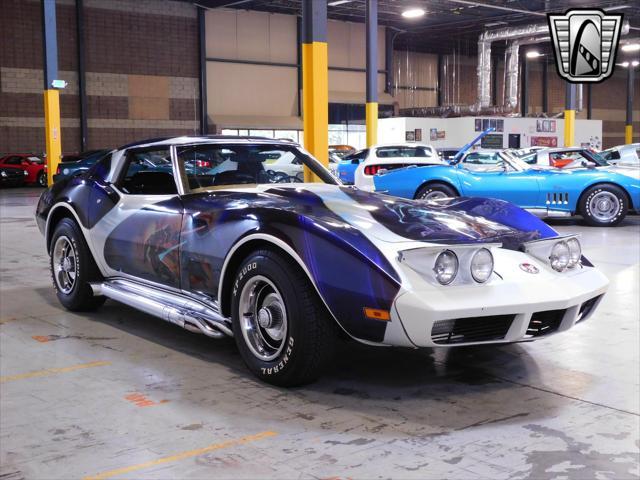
(400, 152)
(100, 171)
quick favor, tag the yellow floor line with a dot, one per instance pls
(181, 456)
(52, 371)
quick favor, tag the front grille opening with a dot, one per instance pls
(544, 323)
(473, 329)
(586, 308)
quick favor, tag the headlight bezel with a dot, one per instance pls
(543, 250)
(481, 251)
(440, 259)
(422, 260)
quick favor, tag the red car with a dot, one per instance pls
(34, 166)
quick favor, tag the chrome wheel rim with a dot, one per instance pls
(604, 206)
(263, 318)
(434, 195)
(65, 264)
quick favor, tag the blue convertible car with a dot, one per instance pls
(601, 195)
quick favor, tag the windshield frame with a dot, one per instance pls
(308, 160)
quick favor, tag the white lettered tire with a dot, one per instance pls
(603, 205)
(281, 327)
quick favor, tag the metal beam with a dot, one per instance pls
(82, 89)
(545, 83)
(524, 88)
(440, 79)
(53, 135)
(202, 83)
(372, 72)
(628, 128)
(589, 104)
(570, 115)
(388, 59)
(299, 64)
(315, 82)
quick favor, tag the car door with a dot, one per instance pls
(139, 236)
(490, 176)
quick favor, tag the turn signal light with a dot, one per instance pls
(376, 314)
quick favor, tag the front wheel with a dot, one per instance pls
(281, 327)
(603, 205)
(435, 191)
(73, 268)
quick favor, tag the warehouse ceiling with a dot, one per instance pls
(448, 25)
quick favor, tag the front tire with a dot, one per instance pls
(282, 329)
(435, 191)
(603, 205)
(73, 268)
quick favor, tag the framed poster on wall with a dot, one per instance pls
(492, 141)
(410, 136)
(417, 134)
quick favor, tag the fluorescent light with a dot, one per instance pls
(413, 13)
(631, 47)
(624, 64)
(635, 63)
(533, 54)
(338, 2)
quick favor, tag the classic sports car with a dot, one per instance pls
(601, 195)
(35, 170)
(84, 163)
(285, 268)
(12, 176)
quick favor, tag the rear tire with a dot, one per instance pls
(281, 327)
(73, 268)
(603, 205)
(42, 179)
(435, 191)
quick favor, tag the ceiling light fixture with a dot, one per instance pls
(413, 13)
(624, 64)
(533, 54)
(338, 2)
(635, 63)
(631, 47)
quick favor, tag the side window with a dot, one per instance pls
(13, 161)
(148, 172)
(101, 169)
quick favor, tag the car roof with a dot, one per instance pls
(189, 139)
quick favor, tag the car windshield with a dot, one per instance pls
(35, 160)
(576, 158)
(229, 165)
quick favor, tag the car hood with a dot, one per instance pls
(391, 219)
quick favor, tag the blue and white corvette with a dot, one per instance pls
(285, 268)
(602, 195)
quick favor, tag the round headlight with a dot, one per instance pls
(575, 252)
(65, 171)
(3, 173)
(559, 257)
(482, 265)
(446, 267)
(25, 173)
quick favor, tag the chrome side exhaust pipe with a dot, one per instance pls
(170, 307)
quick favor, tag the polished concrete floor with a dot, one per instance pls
(118, 394)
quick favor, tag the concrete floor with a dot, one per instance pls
(118, 394)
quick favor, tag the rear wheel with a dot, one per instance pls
(435, 191)
(73, 268)
(42, 179)
(281, 327)
(603, 205)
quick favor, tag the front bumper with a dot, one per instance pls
(520, 306)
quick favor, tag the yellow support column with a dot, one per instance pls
(372, 123)
(569, 128)
(315, 82)
(628, 134)
(52, 132)
(371, 107)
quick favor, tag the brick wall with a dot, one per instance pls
(141, 61)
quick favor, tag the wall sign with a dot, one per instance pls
(492, 141)
(544, 142)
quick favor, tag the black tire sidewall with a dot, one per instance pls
(42, 179)
(591, 192)
(81, 290)
(284, 366)
(434, 187)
